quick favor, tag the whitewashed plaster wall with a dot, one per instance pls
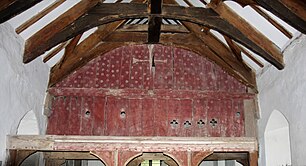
(22, 87)
(285, 91)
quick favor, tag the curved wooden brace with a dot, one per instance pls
(18, 156)
(107, 157)
(106, 13)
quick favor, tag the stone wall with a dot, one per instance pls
(285, 91)
(22, 87)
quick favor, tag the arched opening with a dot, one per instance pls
(226, 159)
(62, 159)
(277, 140)
(152, 159)
(28, 125)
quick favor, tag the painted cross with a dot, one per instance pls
(151, 60)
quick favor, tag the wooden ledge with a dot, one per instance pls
(137, 144)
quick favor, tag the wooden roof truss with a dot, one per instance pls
(157, 21)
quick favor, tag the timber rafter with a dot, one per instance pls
(141, 23)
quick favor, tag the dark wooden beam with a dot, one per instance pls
(235, 28)
(79, 56)
(55, 51)
(291, 11)
(38, 16)
(253, 39)
(272, 21)
(69, 49)
(154, 7)
(227, 156)
(246, 75)
(11, 8)
(36, 44)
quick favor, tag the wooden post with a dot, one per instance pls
(253, 158)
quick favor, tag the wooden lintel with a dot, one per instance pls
(228, 156)
(69, 156)
(11, 8)
(147, 144)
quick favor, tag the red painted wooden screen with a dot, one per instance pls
(121, 94)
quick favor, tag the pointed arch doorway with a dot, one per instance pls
(277, 140)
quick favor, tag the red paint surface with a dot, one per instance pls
(118, 94)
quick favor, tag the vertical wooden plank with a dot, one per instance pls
(98, 114)
(117, 111)
(190, 72)
(86, 116)
(136, 75)
(112, 117)
(250, 118)
(222, 80)
(134, 117)
(198, 74)
(174, 117)
(126, 62)
(148, 117)
(161, 122)
(63, 113)
(225, 117)
(102, 71)
(163, 78)
(186, 117)
(147, 71)
(213, 114)
(253, 158)
(114, 68)
(75, 115)
(210, 76)
(52, 119)
(238, 107)
(199, 120)
(177, 68)
(89, 73)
